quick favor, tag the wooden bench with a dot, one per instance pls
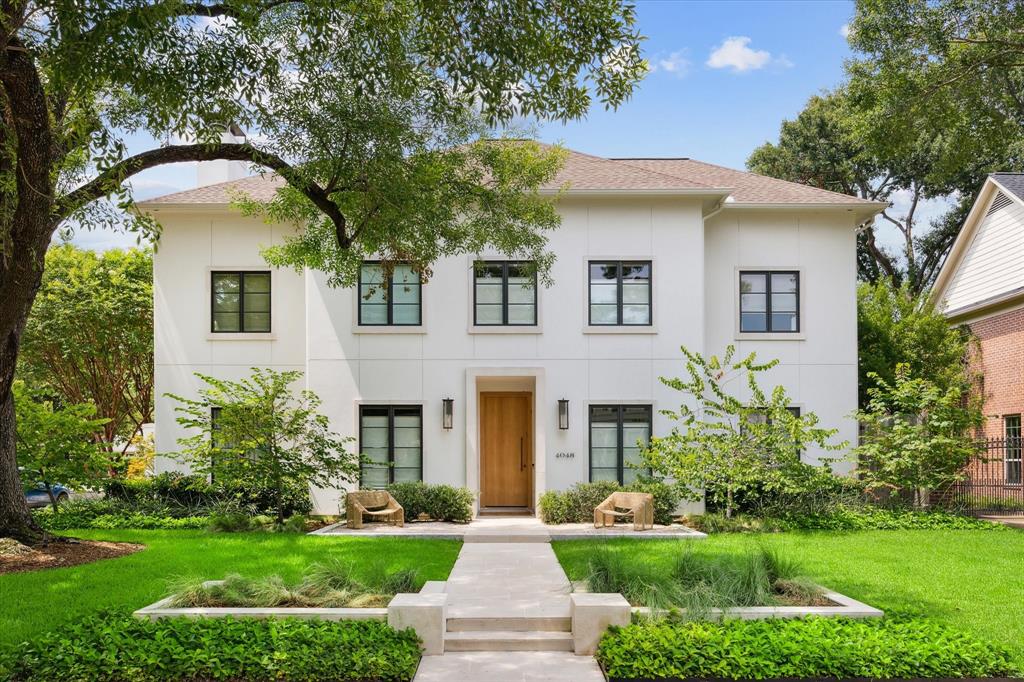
(375, 503)
(640, 506)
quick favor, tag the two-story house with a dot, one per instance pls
(478, 377)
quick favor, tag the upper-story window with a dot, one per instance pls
(391, 301)
(769, 301)
(620, 293)
(504, 294)
(241, 302)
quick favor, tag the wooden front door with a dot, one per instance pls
(506, 449)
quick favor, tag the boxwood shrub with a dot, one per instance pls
(122, 648)
(803, 648)
(861, 517)
(576, 504)
(114, 513)
(440, 502)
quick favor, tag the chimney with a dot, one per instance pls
(222, 170)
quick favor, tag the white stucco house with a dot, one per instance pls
(474, 378)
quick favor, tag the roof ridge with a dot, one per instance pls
(789, 182)
(698, 183)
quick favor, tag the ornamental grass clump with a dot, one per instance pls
(697, 582)
(328, 584)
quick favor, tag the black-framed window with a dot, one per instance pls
(616, 432)
(620, 293)
(1012, 460)
(240, 302)
(391, 442)
(389, 301)
(770, 301)
(504, 294)
(761, 417)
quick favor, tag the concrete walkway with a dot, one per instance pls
(509, 666)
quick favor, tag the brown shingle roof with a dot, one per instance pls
(748, 188)
(584, 172)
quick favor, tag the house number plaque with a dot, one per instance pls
(565, 455)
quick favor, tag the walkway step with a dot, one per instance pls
(524, 624)
(491, 537)
(508, 640)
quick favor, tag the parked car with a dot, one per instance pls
(35, 495)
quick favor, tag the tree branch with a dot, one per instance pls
(111, 179)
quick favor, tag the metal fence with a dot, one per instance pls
(994, 480)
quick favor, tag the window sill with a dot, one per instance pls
(241, 336)
(771, 336)
(619, 329)
(389, 329)
(504, 329)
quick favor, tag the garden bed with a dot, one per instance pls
(61, 552)
(805, 649)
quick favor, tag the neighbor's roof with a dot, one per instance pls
(1011, 182)
(585, 173)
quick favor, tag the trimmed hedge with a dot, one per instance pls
(122, 648)
(440, 502)
(841, 519)
(576, 504)
(805, 648)
(174, 488)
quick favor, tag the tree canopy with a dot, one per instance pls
(90, 336)
(932, 103)
(371, 112)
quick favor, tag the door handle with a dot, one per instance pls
(522, 460)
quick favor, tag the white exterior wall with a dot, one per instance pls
(818, 365)
(694, 304)
(192, 246)
(994, 261)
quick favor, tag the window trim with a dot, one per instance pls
(1017, 450)
(413, 327)
(768, 301)
(619, 446)
(619, 262)
(390, 407)
(213, 272)
(504, 296)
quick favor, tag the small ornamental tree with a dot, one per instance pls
(916, 435)
(59, 445)
(724, 444)
(258, 430)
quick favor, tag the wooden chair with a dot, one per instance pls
(638, 505)
(376, 503)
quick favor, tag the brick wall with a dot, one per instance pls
(1002, 364)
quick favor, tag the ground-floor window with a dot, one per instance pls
(1011, 430)
(391, 442)
(617, 433)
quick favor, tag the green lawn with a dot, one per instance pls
(970, 579)
(34, 602)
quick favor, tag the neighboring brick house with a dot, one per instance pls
(981, 284)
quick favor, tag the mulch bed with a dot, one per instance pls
(65, 552)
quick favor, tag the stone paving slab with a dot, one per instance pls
(516, 529)
(507, 580)
(495, 666)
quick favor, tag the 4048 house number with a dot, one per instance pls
(565, 455)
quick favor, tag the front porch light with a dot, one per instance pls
(563, 414)
(447, 410)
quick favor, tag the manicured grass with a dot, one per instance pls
(35, 602)
(973, 580)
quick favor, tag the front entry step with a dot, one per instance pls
(512, 624)
(508, 640)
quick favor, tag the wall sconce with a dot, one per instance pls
(563, 414)
(447, 410)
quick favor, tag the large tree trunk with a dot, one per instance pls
(17, 294)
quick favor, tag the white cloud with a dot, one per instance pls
(735, 53)
(676, 63)
(844, 30)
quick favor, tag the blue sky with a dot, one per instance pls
(725, 75)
